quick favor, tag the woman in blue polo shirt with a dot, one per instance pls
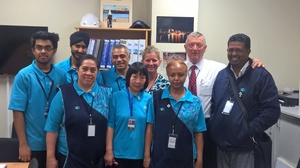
(77, 120)
(127, 120)
(175, 122)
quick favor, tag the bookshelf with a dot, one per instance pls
(117, 33)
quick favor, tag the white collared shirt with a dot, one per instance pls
(206, 73)
(242, 71)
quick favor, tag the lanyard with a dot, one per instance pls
(44, 91)
(130, 102)
(88, 107)
(173, 125)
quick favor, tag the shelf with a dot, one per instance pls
(117, 33)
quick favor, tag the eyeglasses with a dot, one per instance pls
(232, 50)
(191, 45)
(46, 48)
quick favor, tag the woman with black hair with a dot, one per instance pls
(127, 120)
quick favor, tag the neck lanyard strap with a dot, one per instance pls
(44, 91)
(176, 117)
(130, 103)
(89, 109)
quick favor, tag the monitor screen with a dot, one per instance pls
(15, 51)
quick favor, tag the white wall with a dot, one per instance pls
(272, 25)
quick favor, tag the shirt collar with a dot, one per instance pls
(188, 96)
(198, 64)
(81, 92)
(242, 71)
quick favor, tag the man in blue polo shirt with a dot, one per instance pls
(32, 92)
(79, 42)
(115, 76)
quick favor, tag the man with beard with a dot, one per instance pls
(79, 42)
(32, 92)
(115, 76)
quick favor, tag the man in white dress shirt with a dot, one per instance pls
(206, 72)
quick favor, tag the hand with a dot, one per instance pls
(146, 163)
(198, 164)
(24, 153)
(52, 162)
(257, 63)
(109, 158)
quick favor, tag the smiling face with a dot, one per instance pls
(87, 73)
(137, 82)
(120, 59)
(152, 62)
(195, 47)
(237, 54)
(78, 50)
(43, 52)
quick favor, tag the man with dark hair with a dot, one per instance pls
(115, 76)
(32, 92)
(79, 42)
(201, 77)
(232, 129)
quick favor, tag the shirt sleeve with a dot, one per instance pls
(200, 123)
(56, 114)
(150, 114)
(112, 112)
(19, 93)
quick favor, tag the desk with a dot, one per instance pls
(16, 164)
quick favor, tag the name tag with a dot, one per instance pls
(228, 107)
(91, 130)
(172, 141)
(131, 124)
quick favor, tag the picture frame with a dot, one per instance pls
(173, 29)
(115, 13)
(168, 56)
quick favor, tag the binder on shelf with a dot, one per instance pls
(135, 51)
(91, 46)
(109, 63)
(96, 48)
(100, 52)
(130, 44)
(104, 53)
(142, 46)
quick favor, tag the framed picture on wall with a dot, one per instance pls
(115, 13)
(173, 29)
(169, 56)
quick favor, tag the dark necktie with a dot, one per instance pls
(192, 81)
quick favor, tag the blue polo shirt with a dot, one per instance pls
(28, 96)
(129, 144)
(113, 80)
(72, 72)
(56, 117)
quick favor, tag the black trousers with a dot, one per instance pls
(40, 156)
(129, 163)
(209, 149)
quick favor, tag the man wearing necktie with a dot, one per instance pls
(201, 77)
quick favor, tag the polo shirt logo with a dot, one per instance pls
(77, 107)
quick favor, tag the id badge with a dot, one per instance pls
(228, 107)
(131, 124)
(172, 141)
(91, 130)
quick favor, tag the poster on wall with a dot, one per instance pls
(173, 29)
(115, 13)
(169, 56)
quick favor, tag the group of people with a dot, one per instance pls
(130, 116)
